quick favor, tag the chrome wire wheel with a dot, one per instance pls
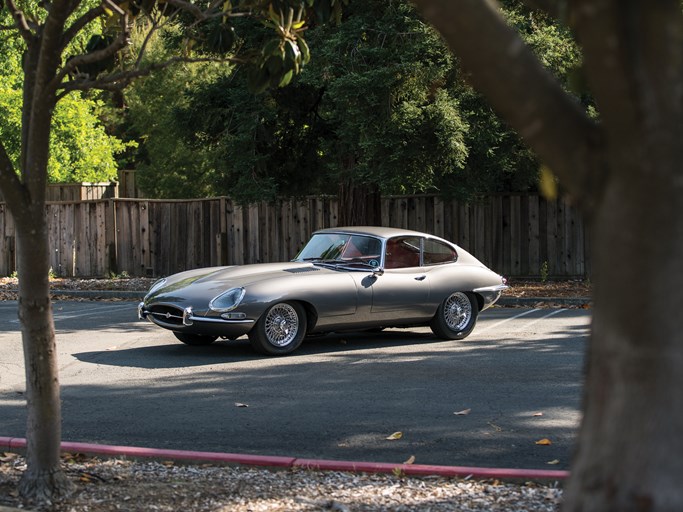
(456, 316)
(457, 311)
(280, 330)
(281, 325)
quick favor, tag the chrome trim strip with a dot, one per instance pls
(496, 288)
(218, 320)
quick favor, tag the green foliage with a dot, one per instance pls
(80, 148)
(359, 113)
(385, 76)
(545, 271)
(168, 164)
(381, 104)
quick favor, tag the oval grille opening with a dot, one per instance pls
(167, 314)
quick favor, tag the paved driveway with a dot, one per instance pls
(124, 381)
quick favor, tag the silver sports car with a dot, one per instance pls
(344, 279)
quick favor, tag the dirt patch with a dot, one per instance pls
(547, 289)
(519, 288)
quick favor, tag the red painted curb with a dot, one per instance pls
(426, 470)
(9, 443)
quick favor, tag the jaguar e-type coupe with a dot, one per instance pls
(344, 279)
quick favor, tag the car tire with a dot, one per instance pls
(456, 316)
(196, 340)
(280, 330)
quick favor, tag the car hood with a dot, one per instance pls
(209, 282)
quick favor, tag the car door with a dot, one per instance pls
(402, 291)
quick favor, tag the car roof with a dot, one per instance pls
(382, 232)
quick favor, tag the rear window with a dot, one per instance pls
(436, 252)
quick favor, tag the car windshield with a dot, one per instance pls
(342, 248)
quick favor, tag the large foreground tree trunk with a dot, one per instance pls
(631, 438)
(626, 172)
(43, 479)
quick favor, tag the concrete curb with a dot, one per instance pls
(100, 294)
(10, 444)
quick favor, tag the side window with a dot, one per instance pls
(402, 252)
(436, 252)
(362, 247)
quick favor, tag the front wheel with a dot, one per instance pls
(280, 330)
(456, 316)
(195, 339)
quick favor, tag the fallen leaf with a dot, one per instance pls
(553, 462)
(544, 442)
(239, 404)
(89, 478)
(464, 412)
(8, 456)
(395, 436)
(496, 427)
(410, 460)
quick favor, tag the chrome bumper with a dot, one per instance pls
(188, 318)
(491, 294)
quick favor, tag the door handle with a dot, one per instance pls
(420, 278)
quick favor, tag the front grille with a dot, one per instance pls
(167, 314)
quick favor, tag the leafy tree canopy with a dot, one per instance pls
(382, 104)
(80, 147)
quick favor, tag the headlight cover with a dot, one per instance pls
(158, 284)
(227, 301)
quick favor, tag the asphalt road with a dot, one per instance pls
(128, 382)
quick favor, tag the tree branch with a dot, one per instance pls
(109, 51)
(198, 13)
(20, 22)
(633, 58)
(78, 25)
(118, 81)
(507, 72)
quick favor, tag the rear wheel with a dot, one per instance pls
(280, 330)
(456, 316)
(195, 339)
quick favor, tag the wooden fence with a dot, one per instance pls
(517, 235)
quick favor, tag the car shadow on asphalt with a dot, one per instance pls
(178, 355)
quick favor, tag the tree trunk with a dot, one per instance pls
(43, 479)
(359, 205)
(631, 438)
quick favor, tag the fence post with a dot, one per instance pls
(110, 236)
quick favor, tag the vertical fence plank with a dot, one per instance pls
(533, 231)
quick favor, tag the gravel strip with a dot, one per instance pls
(108, 485)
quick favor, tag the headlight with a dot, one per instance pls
(156, 286)
(227, 301)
